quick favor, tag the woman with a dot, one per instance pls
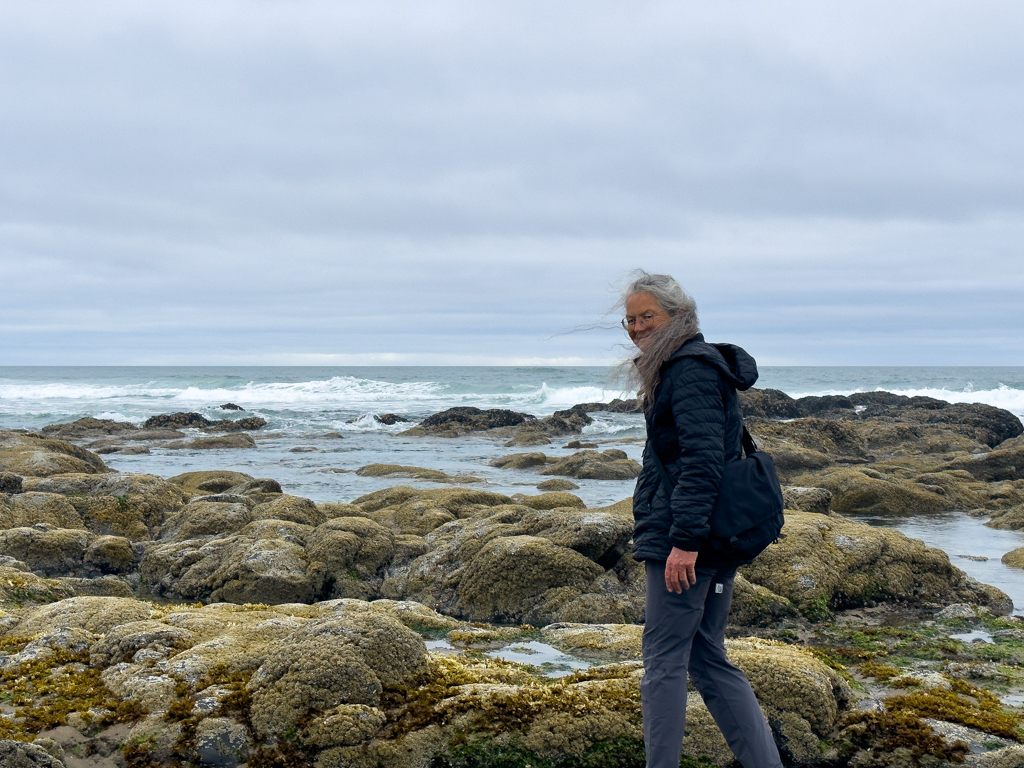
(694, 425)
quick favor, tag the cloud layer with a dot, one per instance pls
(465, 182)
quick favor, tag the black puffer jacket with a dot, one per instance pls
(695, 425)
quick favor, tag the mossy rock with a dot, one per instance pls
(234, 440)
(826, 563)
(31, 456)
(207, 482)
(206, 519)
(757, 606)
(20, 588)
(1011, 519)
(552, 500)
(120, 504)
(294, 509)
(1014, 558)
(329, 663)
(27, 509)
(867, 492)
(98, 615)
(612, 464)
(513, 577)
(557, 484)
(354, 552)
(265, 562)
(418, 473)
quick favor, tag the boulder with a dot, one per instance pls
(20, 754)
(1014, 558)
(237, 440)
(176, 421)
(10, 483)
(522, 578)
(1003, 463)
(768, 404)
(1009, 519)
(201, 519)
(807, 499)
(101, 586)
(557, 484)
(329, 663)
(520, 461)
(417, 473)
(868, 492)
(353, 552)
(552, 500)
(98, 615)
(236, 425)
(231, 407)
(265, 562)
(18, 588)
(88, 427)
(216, 481)
(389, 419)
(463, 419)
(757, 606)
(612, 464)
(27, 509)
(295, 509)
(116, 503)
(31, 456)
(826, 563)
(62, 552)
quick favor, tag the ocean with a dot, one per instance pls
(321, 424)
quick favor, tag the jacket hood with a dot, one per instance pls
(737, 367)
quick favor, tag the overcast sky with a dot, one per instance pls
(420, 182)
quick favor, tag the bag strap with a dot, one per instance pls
(749, 446)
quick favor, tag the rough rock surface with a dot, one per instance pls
(1014, 558)
(236, 440)
(116, 503)
(826, 563)
(463, 419)
(30, 456)
(88, 427)
(611, 464)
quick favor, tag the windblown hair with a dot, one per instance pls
(644, 370)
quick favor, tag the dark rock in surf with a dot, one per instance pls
(231, 407)
(237, 425)
(176, 421)
(462, 419)
(388, 419)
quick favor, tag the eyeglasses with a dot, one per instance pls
(644, 321)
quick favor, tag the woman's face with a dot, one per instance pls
(644, 316)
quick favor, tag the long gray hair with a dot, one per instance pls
(644, 370)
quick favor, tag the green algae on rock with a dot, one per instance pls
(826, 563)
(31, 456)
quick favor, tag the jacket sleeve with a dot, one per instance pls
(699, 415)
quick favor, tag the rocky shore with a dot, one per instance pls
(211, 618)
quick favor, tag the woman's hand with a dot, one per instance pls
(680, 570)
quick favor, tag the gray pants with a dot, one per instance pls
(686, 633)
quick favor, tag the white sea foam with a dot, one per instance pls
(344, 392)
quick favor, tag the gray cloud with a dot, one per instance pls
(459, 181)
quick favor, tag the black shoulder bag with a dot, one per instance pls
(747, 516)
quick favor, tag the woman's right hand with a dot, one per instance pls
(680, 570)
